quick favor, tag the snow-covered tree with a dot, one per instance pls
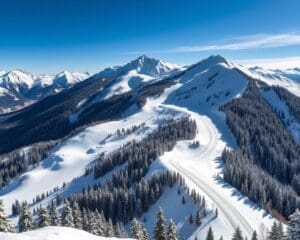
(138, 230)
(120, 231)
(135, 229)
(276, 232)
(293, 230)
(78, 221)
(43, 217)
(159, 230)
(191, 218)
(237, 234)
(198, 219)
(55, 218)
(172, 233)
(85, 220)
(92, 225)
(254, 236)
(110, 231)
(25, 219)
(210, 234)
(67, 217)
(4, 223)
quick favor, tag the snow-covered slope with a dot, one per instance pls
(2, 72)
(133, 74)
(20, 88)
(143, 65)
(53, 233)
(17, 80)
(66, 78)
(283, 111)
(63, 79)
(291, 73)
(273, 78)
(197, 92)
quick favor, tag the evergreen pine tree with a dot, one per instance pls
(43, 217)
(144, 231)
(4, 223)
(54, 216)
(138, 230)
(77, 217)
(198, 219)
(276, 232)
(135, 229)
(293, 230)
(85, 220)
(93, 226)
(67, 217)
(159, 230)
(110, 232)
(100, 222)
(172, 233)
(280, 231)
(216, 212)
(210, 234)
(191, 218)
(254, 236)
(237, 234)
(25, 219)
(123, 234)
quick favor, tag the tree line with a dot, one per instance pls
(265, 141)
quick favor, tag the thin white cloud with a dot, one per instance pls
(246, 42)
(271, 63)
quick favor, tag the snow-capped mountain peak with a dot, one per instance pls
(66, 78)
(211, 61)
(17, 79)
(2, 72)
(142, 65)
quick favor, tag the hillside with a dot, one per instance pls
(182, 138)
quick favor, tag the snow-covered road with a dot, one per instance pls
(201, 167)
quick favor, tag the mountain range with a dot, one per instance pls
(19, 88)
(210, 145)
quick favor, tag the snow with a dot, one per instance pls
(271, 78)
(176, 211)
(2, 72)
(143, 65)
(127, 82)
(202, 167)
(53, 233)
(16, 79)
(198, 93)
(135, 73)
(69, 159)
(202, 170)
(66, 79)
(290, 121)
(292, 73)
(143, 70)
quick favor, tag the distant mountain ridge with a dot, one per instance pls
(19, 88)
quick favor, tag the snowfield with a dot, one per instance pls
(69, 159)
(289, 119)
(53, 233)
(198, 93)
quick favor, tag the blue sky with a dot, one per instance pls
(88, 35)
